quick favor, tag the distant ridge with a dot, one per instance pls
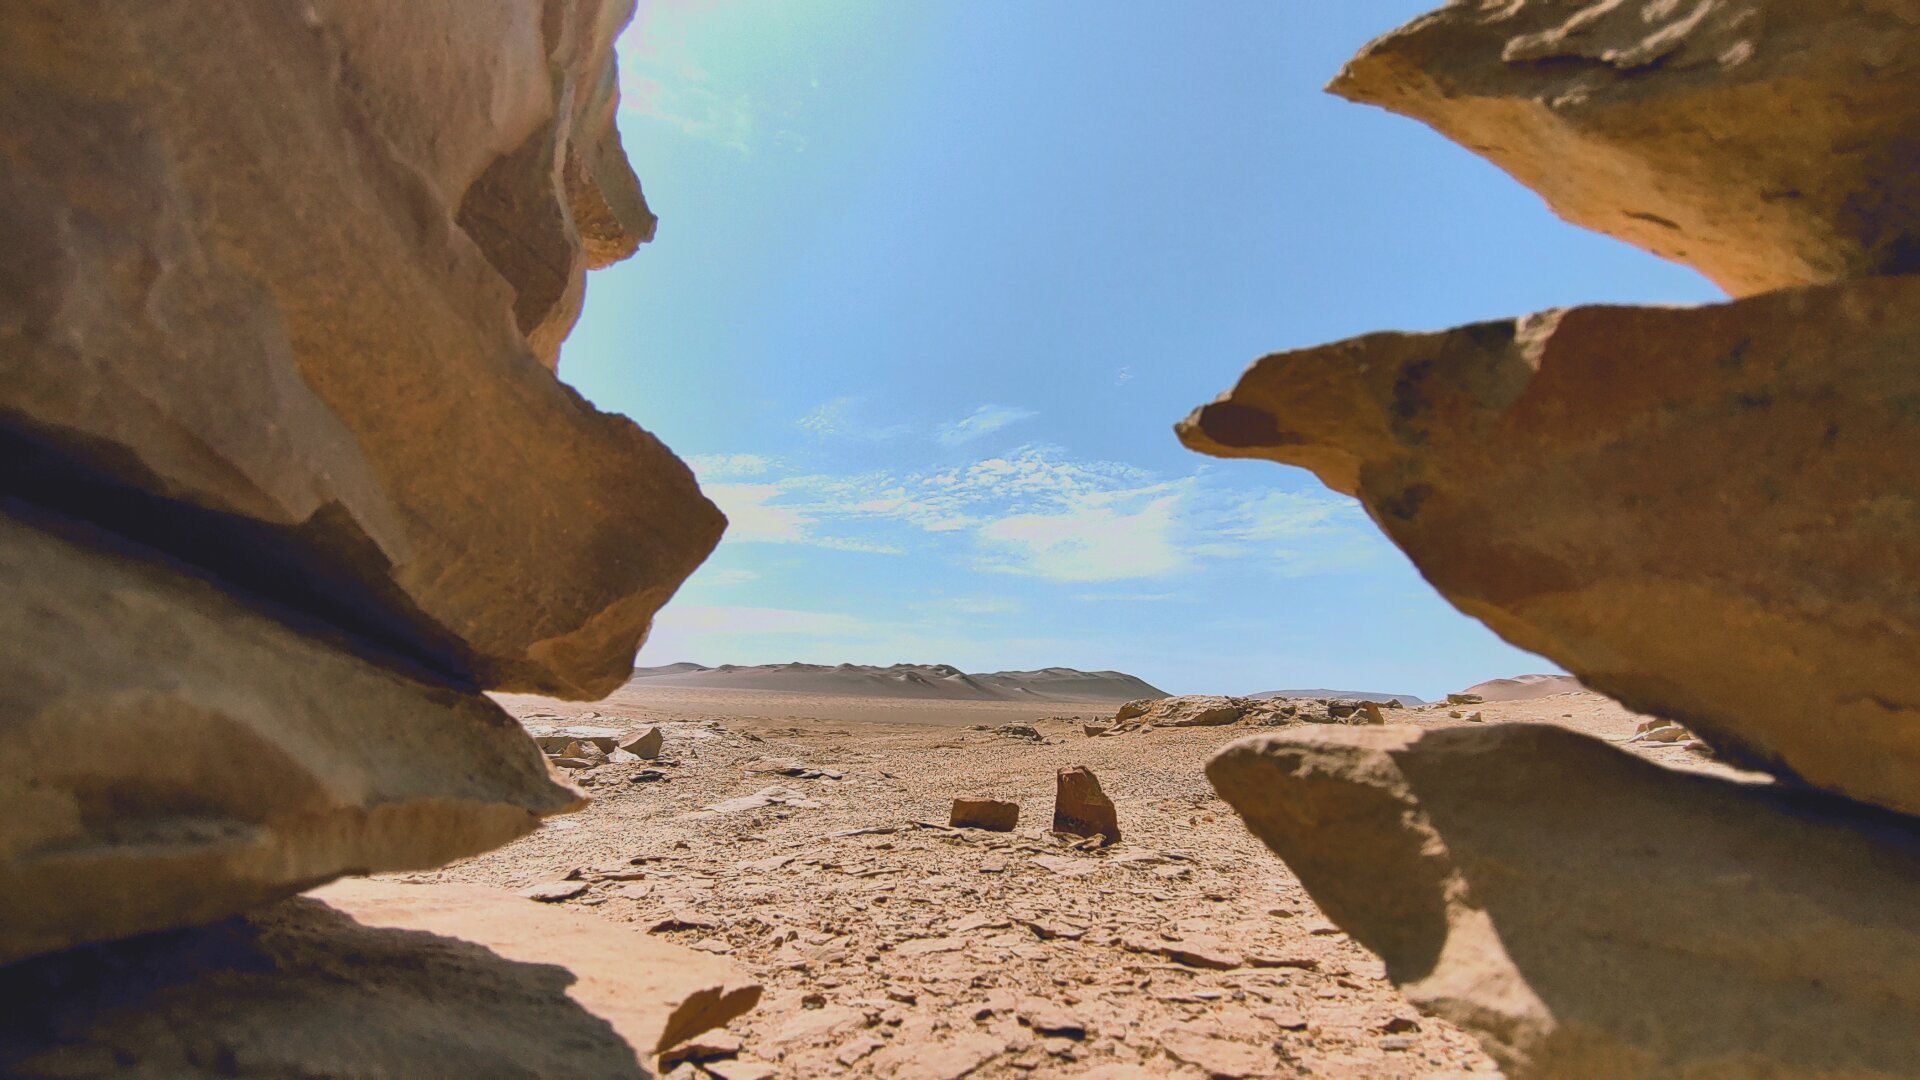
(1350, 695)
(941, 682)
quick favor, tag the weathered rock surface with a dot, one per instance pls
(993, 815)
(1709, 514)
(286, 318)
(169, 756)
(370, 979)
(1080, 808)
(1588, 913)
(1768, 143)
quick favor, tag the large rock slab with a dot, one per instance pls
(1711, 514)
(370, 979)
(1768, 143)
(1586, 913)
(291, 316)
(170, 756)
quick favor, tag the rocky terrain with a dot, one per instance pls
(1708, 513)
(297, 513)
(814, 852)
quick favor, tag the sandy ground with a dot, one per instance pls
(892, 946)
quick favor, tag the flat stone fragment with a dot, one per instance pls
(367, 978)
(232, 760)
(1768, 143)
(1585, 912)
(1220, 1059)
(1080, 808)
(993, 815)
(1709, 514)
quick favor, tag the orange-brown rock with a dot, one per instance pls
(370, 979)
(281, 292)
(1768, 143)
(1080, 808)
(171, 755)
(1587, 913)
(1711, 514)
(993, 815)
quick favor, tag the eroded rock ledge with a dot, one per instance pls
(1707, 513)
(287, 477)
(1588, 913)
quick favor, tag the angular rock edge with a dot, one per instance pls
(170, 755)
(292, 320)
(1767, 143)
(1587, 913)
(1708, 513)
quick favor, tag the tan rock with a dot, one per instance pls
(1766, 142)
(1080, 808)
(1197, 710)
(994, 815)
(1221, 1059)
(645, 745)
(1709, 514)
(231, 760)
(1588, 913)
(371, 979)
(291, 328)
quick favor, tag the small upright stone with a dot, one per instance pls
(1080, 808)
(994, 815)
(646, 745)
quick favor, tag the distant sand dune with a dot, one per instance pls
(1525, 687)
(940, 682)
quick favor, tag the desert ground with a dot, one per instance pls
(805, 838)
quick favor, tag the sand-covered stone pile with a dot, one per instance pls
(1708, 513)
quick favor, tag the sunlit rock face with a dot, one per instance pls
(289, 478)
(1766, 143)
(1710, 513)
(1588, 913)
(294, 318)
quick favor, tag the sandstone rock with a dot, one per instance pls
(646, 745)
(232, 760)
(1197, 710)
(369, 979)
(1464, 699)
(1768, 143)
(1080, 808)
(1019, 731)
(1220, 1059)
(275, 299)
(1709, 514)
(556, 740)
(1369, 712)
(1588, 913)
(993, 815)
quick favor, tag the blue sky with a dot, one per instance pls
(934, 279)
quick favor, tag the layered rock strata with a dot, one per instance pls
(286, 475)
(1708, 513)
(1588, 913)
(1765, 142)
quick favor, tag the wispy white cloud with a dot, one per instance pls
(1037, 512)
(721, 467)
(984, 420)
(836, 419)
